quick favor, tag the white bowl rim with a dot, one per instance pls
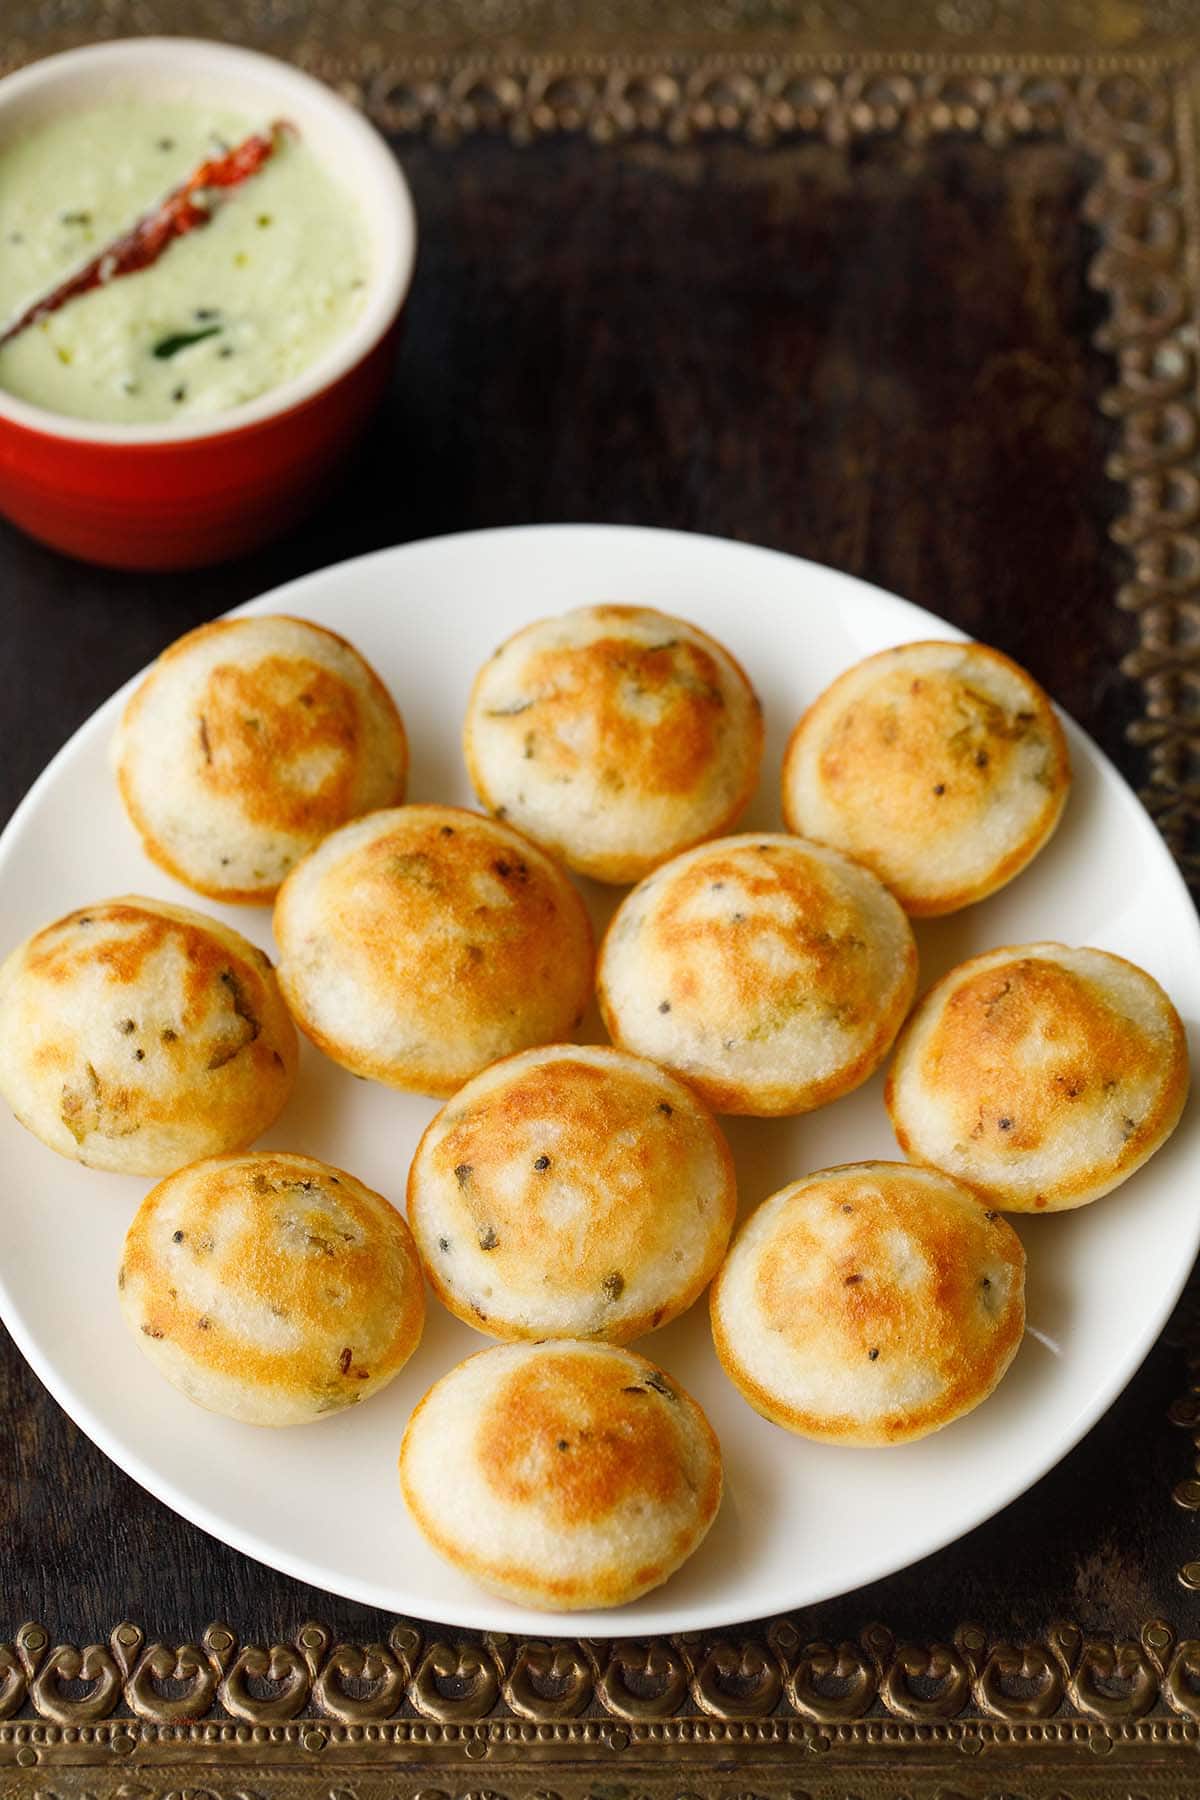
(388, 287)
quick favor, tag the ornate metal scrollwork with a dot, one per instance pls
(148, 1679)
(1109, 1679)
(455, 1683)
(381, 1671)
(642, 1679)
(736, 1679)
(545, 1681)
(832, 1683)
(943, 1674)
(47, 1671)
(14, 1681)
(312, 1685)
(268, 1686)
(1014, 1682)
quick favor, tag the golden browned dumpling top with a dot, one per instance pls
(770, 974)
(870, 1304)
(1042, 1075)
(571, 1191)
(247, 743)
(940, 766)
(271, 1287)
(419, 945)
(615, 736)
(562, 1474)
(138, 1036)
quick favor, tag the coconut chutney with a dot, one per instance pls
(227, 312)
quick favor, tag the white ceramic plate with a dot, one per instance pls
(800, 1521)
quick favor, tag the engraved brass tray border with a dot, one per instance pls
(764, 1712)
(738, 1716)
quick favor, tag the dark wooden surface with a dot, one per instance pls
(879, 358)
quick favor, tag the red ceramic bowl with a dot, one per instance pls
(178, 495)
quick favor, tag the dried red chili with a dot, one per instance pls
(143, 244)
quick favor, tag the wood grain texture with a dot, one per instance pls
(879, 357)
